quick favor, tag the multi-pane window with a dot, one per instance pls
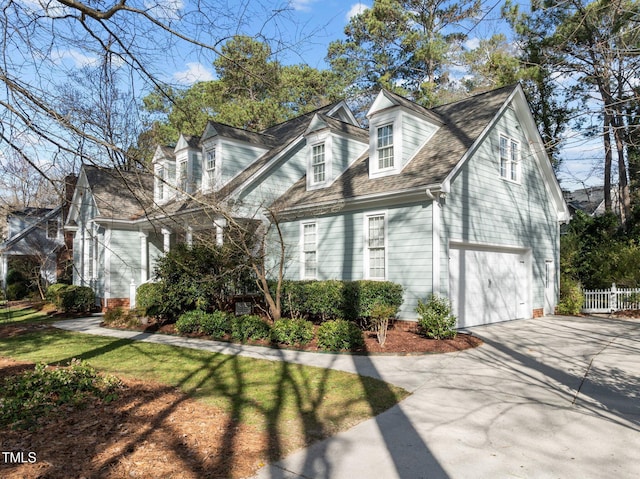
(160, 183)
(385, 147)
(318, 163)
(211, 168)
(52, 229)
(182, 175)
(509, 159)
(309, 251)
(376, 246)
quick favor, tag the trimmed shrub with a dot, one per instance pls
(54, 294)
(332, 299)
(16, 291)
(248, 327)
(339, 335)
(149, 298)
(436, 320)
(292, 331)
(216, 324)
(362, 296)
(189, 322)
(118, 317)
(571, 297)
(77, 299)
(324, 299)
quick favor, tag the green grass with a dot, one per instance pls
(295, 403)
(21, 314)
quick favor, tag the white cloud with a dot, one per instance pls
(195, 72)
(472, 43)
(301, 5)
(164, 9)
(78, 58)
(356, 9)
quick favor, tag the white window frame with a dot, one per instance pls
(314, 140)
(509, 163)
(379, 121)
(182, 182)
(210, 176)
(318, 167)
(385, 132)
(367, 248)
(308, 247)
(160, 189)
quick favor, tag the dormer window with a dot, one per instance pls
(385, 147)
(319, 160)
(386, 144)
(211, 165)
(183, 178)
(160, 179)
(318, 163)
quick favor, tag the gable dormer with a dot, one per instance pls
(164, 172)
(227, 151)
(332, 146)
(188, 156)
(398, 129)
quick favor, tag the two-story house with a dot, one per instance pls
(458, 200)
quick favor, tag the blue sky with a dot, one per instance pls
(306, 27)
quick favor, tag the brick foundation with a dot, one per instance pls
(404, 325)
(113, 303)
(538, 312)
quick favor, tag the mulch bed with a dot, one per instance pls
(402, 339)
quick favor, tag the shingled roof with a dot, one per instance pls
(119, 194)
(281, 135)
(462, 123)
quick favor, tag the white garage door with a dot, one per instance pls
(488, 285)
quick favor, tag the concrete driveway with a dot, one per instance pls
(553, 397)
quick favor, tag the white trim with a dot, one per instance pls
(436, 215)
(365, 244)
(391, 118)
(303, 263)
(107, 264)
(314, 140)
(144, 256)
(510, 162)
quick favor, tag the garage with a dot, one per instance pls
(489, 284)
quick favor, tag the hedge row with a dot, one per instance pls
(71, 298)
(332, 299)
(333, 335)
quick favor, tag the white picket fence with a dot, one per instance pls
(609, 300)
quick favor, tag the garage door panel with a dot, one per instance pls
(487, 286)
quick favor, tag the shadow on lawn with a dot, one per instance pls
(296, 402)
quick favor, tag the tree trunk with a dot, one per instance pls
(608, 159)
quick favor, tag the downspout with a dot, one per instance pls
(436, 197)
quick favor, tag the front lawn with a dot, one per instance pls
(276, 407)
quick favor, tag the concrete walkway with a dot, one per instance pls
(553, 397)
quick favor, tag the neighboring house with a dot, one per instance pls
(458, 200)
(590, 200)
(35, 234)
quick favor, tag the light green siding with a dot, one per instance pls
(125, 261)
(345, 151)
(340, 249)
(414, 134)
(235, 158)
(280, 177)
(484, 208)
